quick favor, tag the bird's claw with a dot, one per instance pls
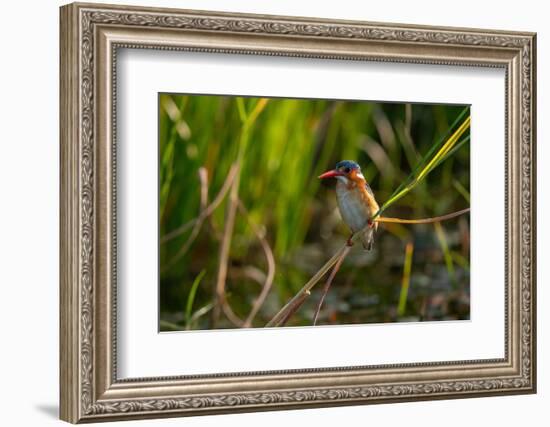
(349, 242)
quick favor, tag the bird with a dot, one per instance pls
(356, 201)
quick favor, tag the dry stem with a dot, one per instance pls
(297, 300)
(329, 282)
(270, 259)
(224, 254)
(421, 220)
(206, 212)
(294, 308)
(306, 289)
(203, 178)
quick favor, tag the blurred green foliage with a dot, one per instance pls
(282, 150)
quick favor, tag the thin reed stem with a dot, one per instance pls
(224, 254)
(290, 305)
(203, 178)
(428, 163)
(206, 212)
(422, 220)
(329, 282)
(270, 259)
(293, 308)
(276, 320)
(221, 302)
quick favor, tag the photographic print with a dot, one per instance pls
(307, 212)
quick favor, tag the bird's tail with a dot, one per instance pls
(367, 239)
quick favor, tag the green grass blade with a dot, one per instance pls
(166, 325)
(451, 142)
(460, 260)
(241, 109)
(428, 167)
(457, 147)
(446, 252)
(406, 280)
(198, 314)
(191, 297)
(460, 188)
(431, 151)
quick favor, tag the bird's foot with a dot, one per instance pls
(349, 242)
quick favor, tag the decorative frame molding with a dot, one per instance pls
(90, 36)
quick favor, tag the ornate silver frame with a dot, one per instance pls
(90, 36)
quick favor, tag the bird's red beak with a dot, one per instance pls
(331, 174)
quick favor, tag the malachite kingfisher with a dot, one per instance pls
(355, 199)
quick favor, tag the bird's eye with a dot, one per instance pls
(347, 170)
